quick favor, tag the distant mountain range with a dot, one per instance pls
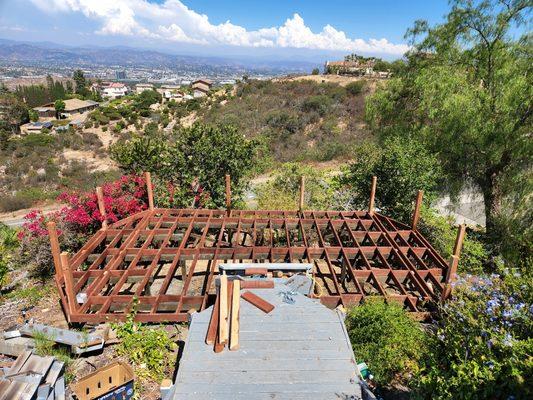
(53, 54)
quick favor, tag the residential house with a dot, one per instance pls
(356, 67)
(35, 127)
(141, 87)
(171, 92)
(115, 90)
(72, 107)
(201, 87)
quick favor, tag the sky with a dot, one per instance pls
(274, 28)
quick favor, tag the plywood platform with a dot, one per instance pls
(297, 351)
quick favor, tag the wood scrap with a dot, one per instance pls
(223, 310)
(257, 284)
(258, 302)
(234, 326)
(213, 323)
(255, 271)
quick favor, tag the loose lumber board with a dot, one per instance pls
(257, 301)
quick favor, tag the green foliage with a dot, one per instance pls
(466, 93)
(145, 99)
(14, 112)
(293, 119)
(402, 168)
(482, 347)
(34, 116)
(59, 106)
(441, 233)
(282, 192)
(356, 87)
(387, 339)
(315, 71)
(201, 152)
(80, 82)
(149, 349)
(8, 245)
(45, 346)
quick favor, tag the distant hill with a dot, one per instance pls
(52, 54)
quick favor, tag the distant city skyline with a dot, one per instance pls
(306, 29)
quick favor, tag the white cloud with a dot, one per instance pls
(173, 21)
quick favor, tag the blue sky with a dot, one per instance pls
(220, 27)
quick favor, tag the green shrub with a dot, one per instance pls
(355, 88)
(387, 339)
(320, 104)
(441, 233)
(149, 349)
(482, 347)
(8, 245)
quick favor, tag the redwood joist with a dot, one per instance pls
(168, 259)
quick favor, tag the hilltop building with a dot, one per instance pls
(201, 87)
(141, 87)
(355, 67)
(72, 106)
(114, 90)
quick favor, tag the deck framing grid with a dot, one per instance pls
(360, 254)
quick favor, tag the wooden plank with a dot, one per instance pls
(213, 323)
(235, 305)
(19, 363)
(418, 206)
(255, 271)
(257, 301)
(372, 199)
(257, 284)
(223, 310)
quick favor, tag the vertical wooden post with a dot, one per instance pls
(223, 319)
(55, 248)
(454, 262)
(101, 206)
(235, 306)
(149, 190)
(418, 205)
(228, 193)
(372, 195)
(69, 283)
(302, 193)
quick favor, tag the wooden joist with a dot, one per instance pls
(234, 326)
(257, 301)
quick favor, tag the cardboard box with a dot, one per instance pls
(112, 382)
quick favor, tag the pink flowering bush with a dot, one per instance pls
(77, 220)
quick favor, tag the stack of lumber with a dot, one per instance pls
(33, 377)
(223, 326)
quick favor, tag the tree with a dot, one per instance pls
(80, 82)
(34, 116)
(401, 169)
(202, 153)
(13, 111)
(69, 87)
(59, 105)
(315, 71)
(467, 94)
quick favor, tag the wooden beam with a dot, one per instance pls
(235, 306)
(302, 193)
(418, 205)
(459, 240)
(228, 193)
(149, 190)
(213, 324)
(223, 309)
(257, 301)
(101, 206)
(55, 248)
(257, 284)
(69, 283)
(372, 195)
(255, 271)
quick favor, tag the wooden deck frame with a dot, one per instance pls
(167, 259)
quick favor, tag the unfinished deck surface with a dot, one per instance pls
(168, 259)
(297, 351)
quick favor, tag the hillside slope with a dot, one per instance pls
(297, 120)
